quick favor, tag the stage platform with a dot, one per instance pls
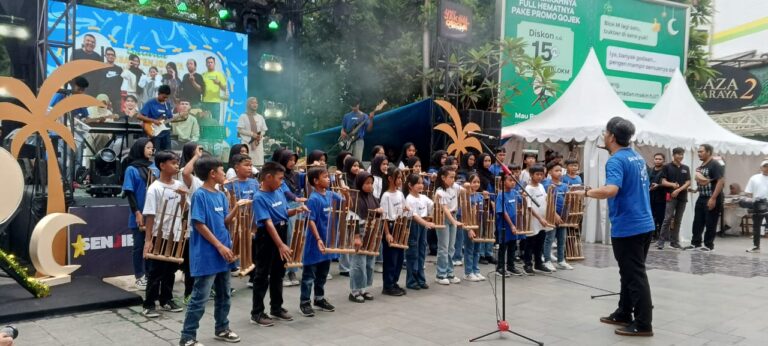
(82, 295)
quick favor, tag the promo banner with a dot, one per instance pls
(102, 247)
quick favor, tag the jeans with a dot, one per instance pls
(314, 275)
(507, 255)
(159, 282)
(268, 272)
(344, 263)
(557, 235)
(361, 275)
(162, 141)
(487, 250)
(416, 255)
(533, 246)
(446, 239)
(703, 217)
(675, 210)
(139, 265)
(757, 222)
(458, 254)
(196, 307)
(393, 262)
(635, 294)
(471, 256)
(357, 149)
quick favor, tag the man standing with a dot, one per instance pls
(110, 80)
(658, 193)
(251, 128)
(357, 119)
(675, 180)
(626, 188)
(155, 111)
(757, 187)
(709, 181)
(87, 52)
(215, 83)
(192, 85)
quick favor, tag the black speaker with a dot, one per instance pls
(489, 122)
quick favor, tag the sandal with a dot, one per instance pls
(367, 296)
(356, 298)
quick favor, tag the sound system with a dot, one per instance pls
(489, 122)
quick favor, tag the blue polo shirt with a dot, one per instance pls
(319, 208)
(209, 208)
(135, 183)
(567, 180)
(560, 191)
(508, 205)
(495, 169)
(153, 109)
(630, 210)
(352, 119)
(269, 205)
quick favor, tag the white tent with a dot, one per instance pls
(580, 115)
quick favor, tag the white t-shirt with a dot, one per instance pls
(539, 195)
(162, 202)
(449, 197)
(525, 177)
(245, 124)
(392, 203)
(419, 205)
(377, 186)
(758, 186)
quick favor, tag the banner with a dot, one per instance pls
(147, 52)
(102, 247)
(731, 89)
(639, 45)
(454, 21)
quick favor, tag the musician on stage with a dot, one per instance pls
(79, 86)
(629, 206)
(156, 111)
(251, 128)
(356, 119)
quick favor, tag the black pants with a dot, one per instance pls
(507, 255)
(534, 248)
(432, 242)
(159, 282)
(189, 281)
(268, 272)
(703, 217)
(393, 262)
(757, 221)
(658, 209)
(635, 295)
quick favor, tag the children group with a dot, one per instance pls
(158, 184)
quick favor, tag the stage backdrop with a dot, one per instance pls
(157, 42)
(102, 247)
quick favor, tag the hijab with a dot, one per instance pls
(316, 155)
(137, 159)
(365, 201)
(486, 176)
(291, 178)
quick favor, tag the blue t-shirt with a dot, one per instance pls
(630, 210)
(495, 169)
(319, 209)
(79, 113)
(244, 189)
(153, 109)
(209, 208)
(508, 205)
(269, 205)
(352, 119)
(560, 189)
(567, 180)
(135, 183)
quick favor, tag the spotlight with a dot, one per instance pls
(105, 174)
(143, 2)
(275, 109)
(181, 5)
(13, 27)
(274, 21)
(224, 14)
(271, 63)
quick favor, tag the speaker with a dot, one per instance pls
(489, 122)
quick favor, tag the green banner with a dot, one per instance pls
(638, 43)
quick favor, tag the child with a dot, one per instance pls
(163, 196)
(270, 214)
(190, 152)
(361, 276)
(243, 186)
(419, 206)
(534, 243)
(393, 204)
(409, 151)
(379, 167)
(487, 177)
(517, 172)
(447, 193)
(139, 174)
(501, 155)
(210, 253)
(292, 187)
(438, 161)
(316, 262)
(506, 219)
(237, 149)
(572, 175)
(352, 167)
(529, 159)
(472, 250)
(555, 170)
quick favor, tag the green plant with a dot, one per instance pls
(697, 65)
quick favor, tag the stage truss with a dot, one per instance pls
(746, 122)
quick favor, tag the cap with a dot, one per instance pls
(764, 163)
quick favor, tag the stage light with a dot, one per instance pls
(224, 13)
(273, 25)
(143, 2)
(271, 63)
(275, 109)
(14, 29)
(181, 5)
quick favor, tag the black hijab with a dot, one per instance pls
(316, 155)
(376, 166)
(365, 201)
(291, 178)
(136, 157)
(486, 176)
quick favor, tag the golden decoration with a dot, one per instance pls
(79, 247)
(459, 133)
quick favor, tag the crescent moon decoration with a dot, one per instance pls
(40, 248)
(671, 28)
(12, 188)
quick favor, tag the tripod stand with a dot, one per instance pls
(502, 325)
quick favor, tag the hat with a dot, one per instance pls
(764, 163)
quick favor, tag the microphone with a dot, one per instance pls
(481, 135)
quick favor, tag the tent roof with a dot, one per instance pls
(583, 110)
(678, 109)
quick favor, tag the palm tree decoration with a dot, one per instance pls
(37, 119)
(459, 133)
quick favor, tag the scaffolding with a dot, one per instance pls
(45, 45)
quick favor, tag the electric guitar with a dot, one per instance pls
(153, 130)
(354, 135)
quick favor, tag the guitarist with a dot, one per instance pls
(251, 128)
(155, 112)
(354, 126)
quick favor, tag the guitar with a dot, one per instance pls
(354, 135)
(153, 130)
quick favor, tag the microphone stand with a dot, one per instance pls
(502, 325)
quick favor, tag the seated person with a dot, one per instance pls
(97, 115)
(184, 125)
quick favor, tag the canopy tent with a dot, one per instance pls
(393, 128)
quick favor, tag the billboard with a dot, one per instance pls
(639, 45)
(144, 52)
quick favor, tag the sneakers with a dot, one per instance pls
(249, 284)
(705, 249)
(392, 292)
(294, 281)
(424, 286)
(282, 315)
(484, 260)
(514, 271)
(458, 263)
(492, 260)
(327, 277)
(454, 280)
(227, 336)
(306, 309)
(633, 330)
(471, 278)
(190, 343)
(262, 320)
(287, 282)
(659, 247)
(141, 283)
(442, 281)
(502, 273)
(367, 296)
(616, 319)
(171, 306)
(356, 298)
(755, 249)
(324, 305)
(550, 266)
(480, 276)
(675, 245)
(691, 247)
(564, 265)
(235, 272)
(529, 270)
(150, 313)
(542, 269)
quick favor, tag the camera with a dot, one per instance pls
(10, 331)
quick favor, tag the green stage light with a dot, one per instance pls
(273, 25)
(143, 2)
(182, 6)
(224, 13)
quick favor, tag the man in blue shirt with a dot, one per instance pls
(156, 111)
(626, 188)
(352, 120)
